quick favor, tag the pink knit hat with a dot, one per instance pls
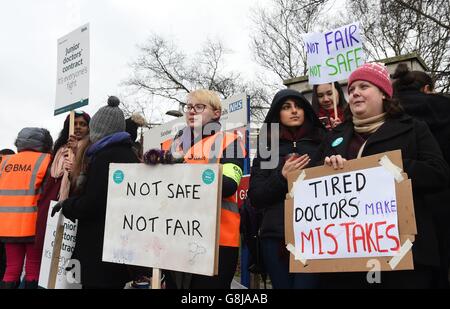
(375, 73)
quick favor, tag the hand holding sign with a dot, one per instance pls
(335, 122)
(337, 162)
(295, 163)
(56, 209)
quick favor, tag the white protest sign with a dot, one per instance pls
(72, 83)
(235, 114)
(163, 216)
(333, 55)
(63, 280)
(346, 215)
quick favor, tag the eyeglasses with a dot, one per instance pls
(198, 108)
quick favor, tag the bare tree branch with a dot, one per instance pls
(390, 29)
(418, 11)
(277, 40)
(162, 70)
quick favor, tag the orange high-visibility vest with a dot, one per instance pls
(21, 178)
(166, 144)
(210, 150)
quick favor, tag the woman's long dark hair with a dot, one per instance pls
(62, 138)
(64, 134)
(315, 100)
(410, 80)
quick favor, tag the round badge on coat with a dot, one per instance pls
(337, 142)
(208, 176)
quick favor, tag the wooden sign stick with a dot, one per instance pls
(59, 227)
(334, 101)
(156, 279)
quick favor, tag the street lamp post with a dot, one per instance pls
(176, 113)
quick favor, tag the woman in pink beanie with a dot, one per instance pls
(376, 123)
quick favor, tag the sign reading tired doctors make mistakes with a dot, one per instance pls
(352, 214)
(342, 219)
(164, 216)
(72, 78)
(334, 54)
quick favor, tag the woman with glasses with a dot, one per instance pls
(57, 186)
(194, 144)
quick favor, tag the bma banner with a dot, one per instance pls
(164, 216)
(333, 55)
(72, 84)
(340, 219)
(64, 279)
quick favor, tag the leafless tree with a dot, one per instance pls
(277, 40)
(410, 6)
(164, 71)
(390, 27)
(393, 28)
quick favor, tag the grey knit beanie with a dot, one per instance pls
(107, 120)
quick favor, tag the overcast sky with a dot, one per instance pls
(30, 29)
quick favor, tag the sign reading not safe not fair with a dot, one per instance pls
(163, 216)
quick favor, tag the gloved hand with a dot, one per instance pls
(157, 156)
(56, 209)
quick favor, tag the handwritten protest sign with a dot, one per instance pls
(72, 84)
(164, 216)
(334, 54)
(351, 214)
(340, 219)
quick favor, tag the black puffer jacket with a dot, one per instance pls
(268, 187)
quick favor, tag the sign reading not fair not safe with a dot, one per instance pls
(163, 216)
(333, 55)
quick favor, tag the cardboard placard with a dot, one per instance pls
(405, 212)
